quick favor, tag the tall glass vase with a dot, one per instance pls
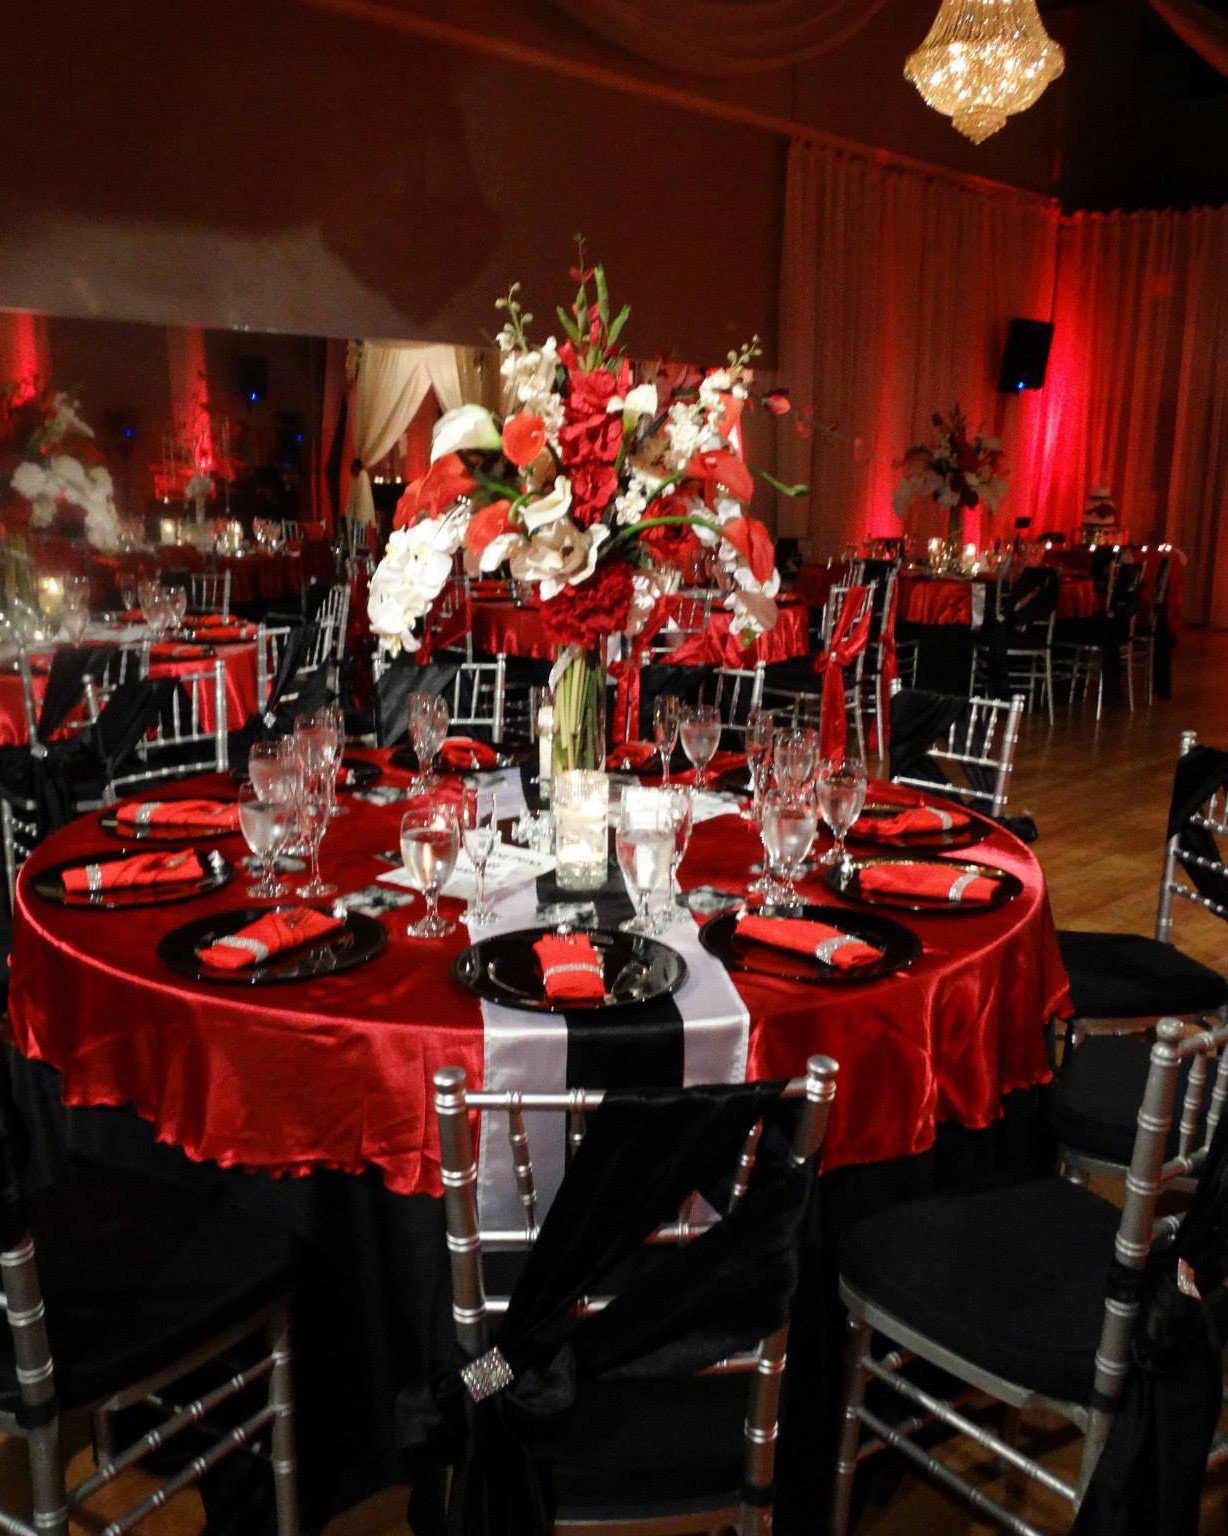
(579, 712)
(953, 549)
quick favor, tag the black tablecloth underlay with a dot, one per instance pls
(373, 1296)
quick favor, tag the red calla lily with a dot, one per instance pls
(524, 437)
(486, 525)
(719, 470)
(446, 481)
(754, 543)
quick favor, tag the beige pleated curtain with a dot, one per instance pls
(390, 381)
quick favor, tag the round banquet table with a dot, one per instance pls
(498, 625)
(951, 600)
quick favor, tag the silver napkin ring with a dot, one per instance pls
(93, 878)
(826, 948)
(588, 966)
(486, 1375)
(956, 893)
(252, 946)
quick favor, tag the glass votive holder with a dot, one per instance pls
(581, 801)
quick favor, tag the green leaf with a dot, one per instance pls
(603, 295)
(568, 324)
(620, 319)
(799, 489)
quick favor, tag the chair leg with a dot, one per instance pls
(1049, 683)
(50, 1497)
(1127, 657)
(281, 1400)
(857, 1342)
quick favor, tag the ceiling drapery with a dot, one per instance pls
(1199, 27)
(723, 37)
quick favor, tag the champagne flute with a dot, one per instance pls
(177, 607)
(682, 818)
(645, 842)
(789, 827)
(128, 594)
(841, 786)
(75, 619)
(266, 823)
(665, 711)
(480, 833)
(795, 757)
(701, 735)
(313, 801)
(760, 728)
(430, 842)
(428, 729)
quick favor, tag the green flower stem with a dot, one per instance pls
(661, 522)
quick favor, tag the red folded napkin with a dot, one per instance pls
(171, 652)
(634, 757)
(343, 776)
(723, 762)
(462, 752)
(569, 965)
(269, 935)
(818, 940)
(192, 815)
(141, 869)
(919, 821)
(214, 633)
(491, 588)
(930, 882)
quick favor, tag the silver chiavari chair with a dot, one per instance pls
(738, 691)
(209, 592)
(472, 1304)
(801, 700)
(690, 615)
(190, 736)
(1102, 1358)
(985, 739)
(477, 696)
(291, 530)
(1144, 640)
(335, 612)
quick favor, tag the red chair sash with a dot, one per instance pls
(849, 638)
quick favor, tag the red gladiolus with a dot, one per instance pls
(717, 470)
(777, 401)
(524, 437)
(586, 614)
(446, 481)
(754, 543)
(486, 525)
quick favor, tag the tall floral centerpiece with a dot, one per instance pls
(956, 470)
(588, 486)
(50, 468)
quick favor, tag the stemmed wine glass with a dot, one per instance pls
(682, 818)
(645, 841)
(480, 832)
(795, 757)
(430, 842)
(127, 594)
(841, 788)
(428, 729)
(760, 728)
(326, 728)
(314, 782)
(266, 823)
(270, 767)
(177, 607)
(665, 712)
(701, 735)
(789, 824)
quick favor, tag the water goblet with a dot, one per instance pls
(841, 787)
(701, 735)
(313, 783)
(665, 720)
(427, 718)
(789, 826)
(682, 818)
(271, 769)
(128, 594)
(266, 823)
(479, 832)
(430, 842)
(645, 841)
(795, 757)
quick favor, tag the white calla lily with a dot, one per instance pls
(468, 426)
(549, 508)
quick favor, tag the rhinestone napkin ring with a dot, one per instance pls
(486, 1375)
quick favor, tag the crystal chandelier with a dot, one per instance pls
(984, 60)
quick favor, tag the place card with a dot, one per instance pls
(506, 868)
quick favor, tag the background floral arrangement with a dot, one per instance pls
(49, 463)
(954, 469)
(589, 485)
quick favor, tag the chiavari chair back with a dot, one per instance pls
(1154, 624)
(738, 690)
(334, 613)
(291, 530)
(189, 734)
(1087, 1269)
(477, 696)
(209, 592)
(978, 736)
(1015, 654)
(755, 1140)
(690, 613)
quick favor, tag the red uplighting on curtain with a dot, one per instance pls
(24, 353)
(192, 426)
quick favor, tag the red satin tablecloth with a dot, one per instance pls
(501, 626)
(336, 1072)
(948, 600)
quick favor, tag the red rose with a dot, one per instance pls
(524, 437)
(586, 614)
(593, 486)
(671, 543)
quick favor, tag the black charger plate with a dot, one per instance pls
(900, 947)
(360, 774)
(974, 830)
(845, 880)
(504, 969)
(49, 885)
(361, 939)
(511, 755)
(158, 833)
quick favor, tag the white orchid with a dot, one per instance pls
(412, 574)
(549, 508)
(29, 480)
(468, 426)
(754, 612)
(646, 591)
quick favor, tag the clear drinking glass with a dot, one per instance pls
(430, 842)
(841, 788)
(682, 818)
(75, 619)
(313, 785)
(177, 606)
(271, 770)
(795, 757)
(645, 841)
(479, 832)
(427, 718)
(789, 825)
(701, 735)
(127, 594)
(326, 728)
(760, 728)
(666, 711)
(266, 824)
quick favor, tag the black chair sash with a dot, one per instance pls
(1148, 1480)
(405, 675)
(675, 1311)
(1200, 773)
(70, 666)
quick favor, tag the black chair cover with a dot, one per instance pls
(1200, 772)
(678, 1310)
(405, 675)
(1148, 1481)
(70, 666)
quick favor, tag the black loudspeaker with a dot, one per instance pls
(251, 378)
(1026, 356)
